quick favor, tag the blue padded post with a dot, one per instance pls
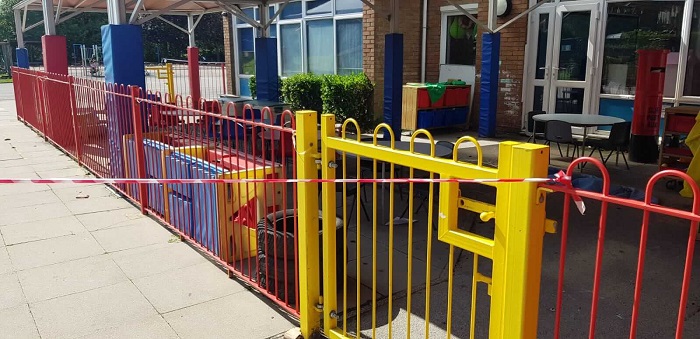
(22, 58)
(122, 49)
(490, 50)
(266, 75)
(393, 81)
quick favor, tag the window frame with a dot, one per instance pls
(446, 11)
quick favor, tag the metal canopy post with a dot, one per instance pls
(116, 12)
(190, 29)
(18, 28)
(264, 21)
(49, 22)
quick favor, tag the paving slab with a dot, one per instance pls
(81, 191)
(149, 260)
(14, 189)
(96, 204)
(34, 213)
(75, 172)
(17, 323)
(5, 263)
(87, 312)
(26, 199)
(241, 315)
(47, 282)
(150, 327)
(114, 218)
(40, 230)
(186, 287)
(52, 251)
(10, 291)
(132, 236)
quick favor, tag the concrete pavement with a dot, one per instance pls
(77, 261)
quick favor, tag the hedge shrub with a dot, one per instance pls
(349, 96)
(303, 91)
(346, 96)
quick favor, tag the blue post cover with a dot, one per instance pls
(122, 49)
(393, 81)
(22, 58)
(266, 74)
(490, 50)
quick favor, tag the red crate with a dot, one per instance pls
(231, 162)
(678, 123)
(423, 98)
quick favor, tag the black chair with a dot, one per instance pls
(535, 128)
(559, 132)
(618, 143)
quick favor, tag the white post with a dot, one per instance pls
(493, 10)
(394, 12)
(19, 29)
(116, 12)
(190, 29)
(49, 23)
(264, 18)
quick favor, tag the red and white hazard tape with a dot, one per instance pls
(559, 178)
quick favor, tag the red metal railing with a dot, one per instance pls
(647, 208)
(121, 132)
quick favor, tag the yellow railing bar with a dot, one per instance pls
(479, 152)
(448, 168)
(475, 205)
(330, 302)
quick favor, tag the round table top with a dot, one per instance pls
(581, 120)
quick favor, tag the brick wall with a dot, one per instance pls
(229, 54)
(512, 54)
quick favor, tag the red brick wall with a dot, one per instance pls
(512, 54)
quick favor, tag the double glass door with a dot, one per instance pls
(562, 58)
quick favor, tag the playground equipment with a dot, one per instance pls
(164, 72)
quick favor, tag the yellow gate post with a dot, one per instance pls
(171, 81)
(329, 233)
(519, 232)
(309, 274)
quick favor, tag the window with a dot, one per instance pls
(313, 36)
(348, 6)
(292, 11)
(692, 70)
(349, 42)
(319, 37)
(290, 42)
(460, 43)
(632, 26)
(319, 7)
(250, 13)
(246, 51)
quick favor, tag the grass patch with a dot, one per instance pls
(5, 80)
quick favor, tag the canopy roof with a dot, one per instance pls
(162, 7)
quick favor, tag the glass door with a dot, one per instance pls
(573, 58)
(540, 51)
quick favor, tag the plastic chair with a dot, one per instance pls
(534, 126)
(618, 142)
(559, 132)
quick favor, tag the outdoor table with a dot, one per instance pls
(579, 120)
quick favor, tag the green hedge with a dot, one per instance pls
(349, 96)
(346, 96)
(303, 91)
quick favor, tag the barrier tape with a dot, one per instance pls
(560, 178)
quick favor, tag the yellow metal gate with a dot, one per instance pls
(404, 277)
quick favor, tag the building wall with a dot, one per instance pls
(229, 54)
(512, 54)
